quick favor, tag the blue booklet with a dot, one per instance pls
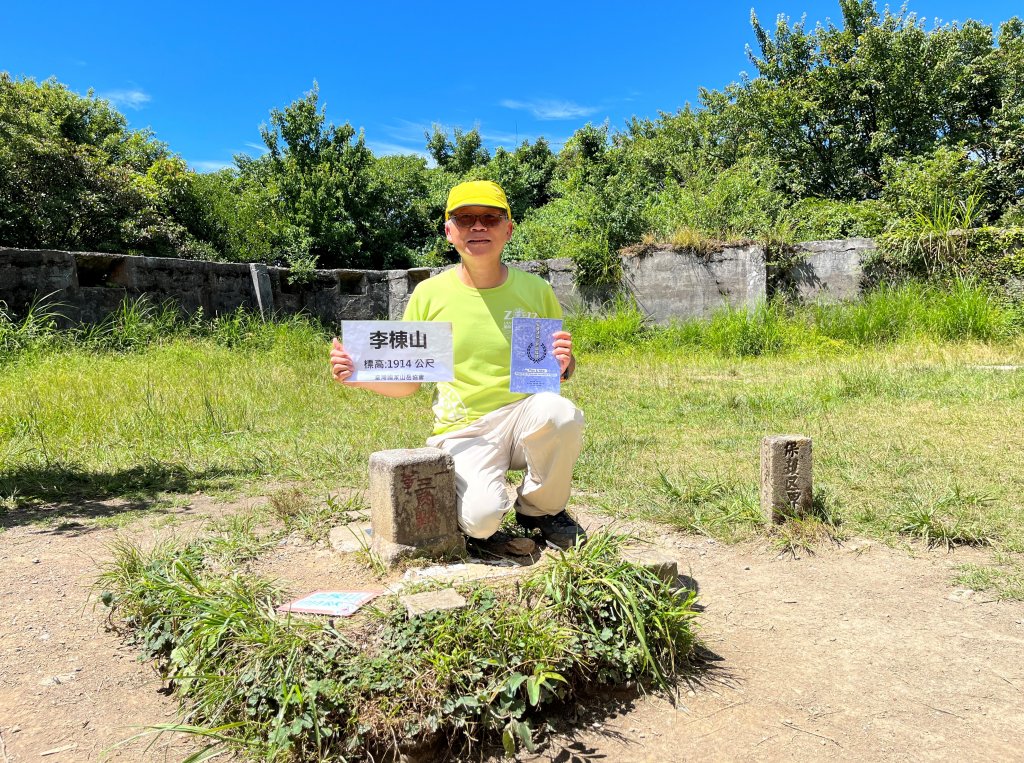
(534, 365)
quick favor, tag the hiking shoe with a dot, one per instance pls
(502, 544)
(557, 529)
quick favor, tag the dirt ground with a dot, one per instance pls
(859, 652)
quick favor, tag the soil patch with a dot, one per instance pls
(858, 652)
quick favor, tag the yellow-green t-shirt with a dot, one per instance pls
(482, 337)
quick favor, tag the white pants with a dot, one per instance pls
(542, 434)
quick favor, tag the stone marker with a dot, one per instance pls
(785, 476)
(661, 564)
(412, 504)
(432, 601)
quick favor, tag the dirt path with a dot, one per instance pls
(860, 652)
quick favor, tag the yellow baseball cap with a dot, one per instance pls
(484, 193)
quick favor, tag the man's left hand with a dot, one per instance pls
(563, 351)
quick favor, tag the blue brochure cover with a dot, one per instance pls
(534, 365)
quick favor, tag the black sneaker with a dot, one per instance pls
(501, 544)
(557, 529)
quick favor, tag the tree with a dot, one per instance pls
(459, 156)
(831, 105)
(72, 176)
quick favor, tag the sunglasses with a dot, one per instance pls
(488, 219)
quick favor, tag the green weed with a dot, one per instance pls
(1005, 576)
(708, 506)
(312, 518)
(823, 524)
(952, 520)
(289, 688)
(618, 325)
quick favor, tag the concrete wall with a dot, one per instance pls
(830, 270)
(667, 285)
(86, 286)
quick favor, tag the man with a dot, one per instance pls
(486, 428)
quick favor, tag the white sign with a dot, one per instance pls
(399, 351)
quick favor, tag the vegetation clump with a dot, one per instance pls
(281, 687)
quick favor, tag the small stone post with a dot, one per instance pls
(786, 489)
(412, 504)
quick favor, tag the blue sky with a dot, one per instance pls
(204, 79)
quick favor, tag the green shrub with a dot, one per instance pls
(914, 185)
(826, 219)
(992, 256)
(572, 227)
(735, 203)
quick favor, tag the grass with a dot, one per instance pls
(915, 440)
(1004, 577)
(283, 688)
(914, 437)
(311, 518)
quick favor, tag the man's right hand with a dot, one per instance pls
(341, 362)
(343, 367)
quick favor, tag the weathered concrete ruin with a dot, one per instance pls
(85, 287)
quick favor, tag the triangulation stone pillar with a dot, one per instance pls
(786, 489)
(412, 504)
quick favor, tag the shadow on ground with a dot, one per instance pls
(67, 495)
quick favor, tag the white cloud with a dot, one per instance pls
(549, 109)
(126, 99)
(383, 148)
(507, 139)
(210, 165)
(406, 130)
(260, 147)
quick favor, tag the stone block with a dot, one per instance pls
(401, 284)
(786, 488)
(351, 538)
(661, 564)
(417, 604)
(412, 504)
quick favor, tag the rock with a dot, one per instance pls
(348, 539)
(417, 604)
(57, 680)
(662, 565)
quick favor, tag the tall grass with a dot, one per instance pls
(888, 314)
(139, 324)
(885, 397)
(885, 315)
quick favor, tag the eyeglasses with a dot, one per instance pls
(488, 219)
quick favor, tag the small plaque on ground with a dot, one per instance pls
(337, 603)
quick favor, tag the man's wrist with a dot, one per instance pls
(569, 369)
